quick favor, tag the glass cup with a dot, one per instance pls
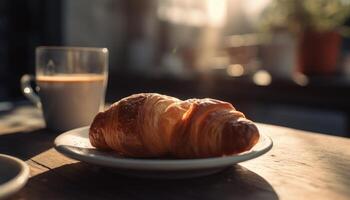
(71, 83)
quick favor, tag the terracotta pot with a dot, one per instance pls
(318, 52)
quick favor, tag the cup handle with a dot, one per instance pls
(28, 91)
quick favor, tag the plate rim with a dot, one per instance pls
(16, 183)
(164, 164)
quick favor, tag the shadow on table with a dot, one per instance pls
(26, 145)
(82, 181)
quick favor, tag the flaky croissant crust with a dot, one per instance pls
(155, 125)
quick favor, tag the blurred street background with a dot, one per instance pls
(284, 62)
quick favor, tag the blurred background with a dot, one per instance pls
(284, 62)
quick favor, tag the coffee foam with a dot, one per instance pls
(71, 78)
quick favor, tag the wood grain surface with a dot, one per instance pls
(301, 165)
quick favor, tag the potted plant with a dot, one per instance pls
(316, 24)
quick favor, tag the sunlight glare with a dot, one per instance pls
(262, 78)
(235, 70)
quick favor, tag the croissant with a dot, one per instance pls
(155, 125)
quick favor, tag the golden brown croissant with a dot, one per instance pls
(154, 125)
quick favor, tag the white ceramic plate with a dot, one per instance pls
(75, 144)
(13, 175)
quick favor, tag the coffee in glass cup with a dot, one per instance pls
(71, 84)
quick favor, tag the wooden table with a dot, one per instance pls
(301, 165)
